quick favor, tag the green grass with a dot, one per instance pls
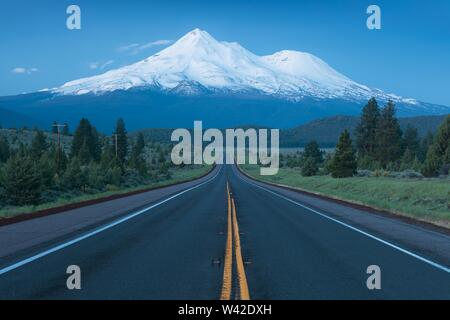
(423, 199)
(178, 175)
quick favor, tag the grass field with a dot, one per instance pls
(178, 175)
(423, 199)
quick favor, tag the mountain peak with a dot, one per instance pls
(198, 60)
(305, 65)
(196, 36)
(197, 32)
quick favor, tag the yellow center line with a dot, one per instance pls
(242, 279)
(227, 269)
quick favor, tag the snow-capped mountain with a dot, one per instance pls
(198, 63)
(220, 83)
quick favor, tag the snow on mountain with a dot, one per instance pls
(197, 63)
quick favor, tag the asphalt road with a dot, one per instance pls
(232, 238)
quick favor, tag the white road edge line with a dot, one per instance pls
(101, 229)
(412, 254)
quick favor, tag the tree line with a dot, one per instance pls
(379, 144)
(41, 171)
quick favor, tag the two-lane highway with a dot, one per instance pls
(230, 237)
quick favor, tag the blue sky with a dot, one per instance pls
(409, 56)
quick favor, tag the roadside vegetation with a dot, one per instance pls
(384, 167)
(426, 199)
(38, 170)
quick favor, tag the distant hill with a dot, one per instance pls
(154, 135)
(25, 136)
(11, 119)
(326, 131)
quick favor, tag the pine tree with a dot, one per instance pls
(96, 176)
(86, 138)
(120, 136)
(416, 164)
(411, 140)
(344, 160)
(39, 144)
(327, 164)
(47, 169)
(432, 162)
(438, 154)
(366, 131)
(110, 165)
(84, 154)
(94, 146)
(108, 156)
(22, 180)
(407, 159)
(74, 178)
(442, 139)
(115, 175)
(140, 143)
(137, 160)
(309, 167)
(313, 151)
(62, 163)
(4, 149)
(425, 144)
(388, 136)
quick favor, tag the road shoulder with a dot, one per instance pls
(24, 236)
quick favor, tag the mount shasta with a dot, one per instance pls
(221, 83)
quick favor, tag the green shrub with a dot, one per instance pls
(22, 181)
(309, 167)
(344, 161)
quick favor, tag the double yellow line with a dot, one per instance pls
(233, 236)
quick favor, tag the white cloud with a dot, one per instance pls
(93, 65)
(18, 70)
(100, 64)
(107, 63)
(127, 47)
(22, 70)
(136, 48)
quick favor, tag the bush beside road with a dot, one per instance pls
(177, 176)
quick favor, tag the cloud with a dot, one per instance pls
(128, 47)
(136, 48)
(100, 64)
(22, 70)
(155, 43)
(93, 65)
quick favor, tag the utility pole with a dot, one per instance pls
(58, 127)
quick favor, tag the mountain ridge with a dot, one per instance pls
(221, 83)
(325, 131)
(197, 64)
